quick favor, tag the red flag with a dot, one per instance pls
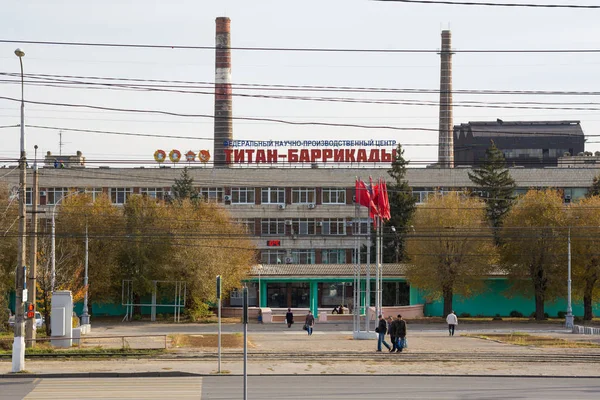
(375, 210)
(363, 196)
(384, 201)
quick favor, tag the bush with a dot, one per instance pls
(137, 317)
(562, 314)
(465, 315)
(159, 316)
(497, 318)
(480, 316)
(577, 319)
(199, 311)
(516, 314)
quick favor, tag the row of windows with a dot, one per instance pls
(328, 256)
(304, 226)
(239, 195)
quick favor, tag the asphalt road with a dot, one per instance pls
(303, 387)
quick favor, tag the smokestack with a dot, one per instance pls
(223, 109)
(446, 139)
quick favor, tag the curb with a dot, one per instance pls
(172, 374)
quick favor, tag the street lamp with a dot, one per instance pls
(18, 351)
(569, 316)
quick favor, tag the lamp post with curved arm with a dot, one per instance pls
(18, 350)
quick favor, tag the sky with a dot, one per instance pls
(335, 24)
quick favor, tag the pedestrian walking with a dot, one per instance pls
(381, 331)
(394, 331)
(309, 323)
(452, 321)
(401, 334)
(289, 317)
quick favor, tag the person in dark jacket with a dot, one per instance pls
(381, 331)
(289, 317)
(394, 332)
(390, 321)
(309, 323)
(401, 334)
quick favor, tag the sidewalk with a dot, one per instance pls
(429, 353)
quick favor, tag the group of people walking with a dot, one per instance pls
(396, 328)
(309, 321)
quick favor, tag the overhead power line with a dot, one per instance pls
(295, 49)
(490, 4)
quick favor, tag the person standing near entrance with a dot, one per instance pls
(452, 321)
(381, 331)
(289, 317)
(309, 323)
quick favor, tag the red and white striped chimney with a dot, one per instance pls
(223, 103)
(446, 129)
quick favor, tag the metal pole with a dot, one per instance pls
(53, 250)
(18, 351)
(30, 328)
(85, 317)
(219, 319)
(569, 317)
(245, 323)
(368, 284)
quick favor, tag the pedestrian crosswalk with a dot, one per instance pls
(180, 388)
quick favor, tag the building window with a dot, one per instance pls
(303, 256)
(211, 194)
(273, 195)
(53, 195)
(242, 195)
(28, 196)
(272, 226)
(333, 256)
(272, 256)
(247, 224)
(361, 226)
(94, 193)
(155, 193)
(120, 195)
(303, 195)
(334, 226)
(303, 226)
(334, 196)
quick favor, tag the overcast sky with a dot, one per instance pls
(350, 24)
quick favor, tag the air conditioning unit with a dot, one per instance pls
(288, 222)
(289, 260)
(311, 206)
(42, 193)
(227, 197)
(281, 206)
(567, 199)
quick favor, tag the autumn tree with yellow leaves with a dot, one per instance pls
(534, 247)
(451, 249)
(584, 216)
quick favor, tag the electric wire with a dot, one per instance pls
(492, 4)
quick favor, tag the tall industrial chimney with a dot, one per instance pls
(446, 140)
(223, 109)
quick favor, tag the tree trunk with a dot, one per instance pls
(539, 306)
(447, 294)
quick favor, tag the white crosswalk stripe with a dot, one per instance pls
(118, 388)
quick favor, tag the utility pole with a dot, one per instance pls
(30, 327)
(85, 317)
(18, 350)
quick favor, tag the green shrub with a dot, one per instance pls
(516, 314)
(160, 316)
(137, 317)
(465, 315)
(199, 311)
(562, 314)
(577, 319)
(480, 316)
(497, 317)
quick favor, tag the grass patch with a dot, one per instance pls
(524, 339)
(228, 340)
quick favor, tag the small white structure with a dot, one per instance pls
(60, 318)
